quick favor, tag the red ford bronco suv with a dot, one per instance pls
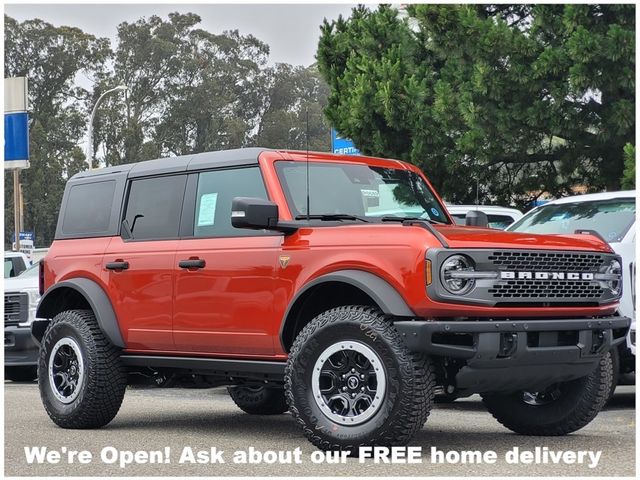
(335, 287)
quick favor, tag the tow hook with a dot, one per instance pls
(597, 341)
(508, 344)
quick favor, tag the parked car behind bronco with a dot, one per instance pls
(497, 217)
(307, 281)
(15, 263)
(21, 297)
(612, 216)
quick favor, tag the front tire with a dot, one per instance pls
(561, 409)
(259, 399)
(82, 380)
(351, 381)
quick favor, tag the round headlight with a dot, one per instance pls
(450, 272)
(614, 268)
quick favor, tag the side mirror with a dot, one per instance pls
(476, 218)
(257, 214)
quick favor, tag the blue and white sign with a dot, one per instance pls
(16, 123)
(28, 236)
(341, 145)
(26, 243)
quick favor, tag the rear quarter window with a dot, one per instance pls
(88, 208)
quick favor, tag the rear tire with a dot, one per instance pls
(351, 381)
(22, 373)
(561, 409)
(82, 380)
(259, 400)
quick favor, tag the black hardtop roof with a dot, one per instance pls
(196, 161)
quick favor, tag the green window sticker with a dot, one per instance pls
(207, 209)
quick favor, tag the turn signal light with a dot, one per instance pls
(427, 271)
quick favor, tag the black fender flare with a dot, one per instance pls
(379, 290)
(97, 299)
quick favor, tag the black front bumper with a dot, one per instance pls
(19, 347)
(510, 355)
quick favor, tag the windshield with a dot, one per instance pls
(610, 218)
(359, 190)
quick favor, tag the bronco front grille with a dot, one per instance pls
(16, 308)
(550, 290)
(525, 277)
(555, 289)
(547, 261)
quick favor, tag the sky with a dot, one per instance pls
(291, 31)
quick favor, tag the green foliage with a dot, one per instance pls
(189, 91)
(51, 57)
(628, 181)
(193, 91)
(292, 94)
(522, 98)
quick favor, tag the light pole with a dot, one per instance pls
(93, 114)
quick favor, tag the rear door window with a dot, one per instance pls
(154, 206)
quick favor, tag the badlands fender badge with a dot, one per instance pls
(284, 261)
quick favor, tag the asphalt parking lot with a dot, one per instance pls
(153, 419)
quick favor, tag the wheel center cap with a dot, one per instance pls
(353, 382)
(72, 371)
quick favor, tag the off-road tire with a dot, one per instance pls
(410, 381)
(259, 400)
(579, 402)
(105, 379)
(615, 377)
(21, 373)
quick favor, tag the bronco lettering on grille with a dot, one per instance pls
(505, 275)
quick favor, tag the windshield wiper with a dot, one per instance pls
(394, 218)
(332, 216)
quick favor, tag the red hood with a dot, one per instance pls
(474, 237)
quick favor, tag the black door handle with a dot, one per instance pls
(192, 263)
(117, 265)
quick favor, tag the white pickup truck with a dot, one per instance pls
(21, 296)
(612, 216)
(15, 263)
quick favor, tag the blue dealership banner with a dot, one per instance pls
(342, 145)
(16, 123)
(16, 136)
(24, 236)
